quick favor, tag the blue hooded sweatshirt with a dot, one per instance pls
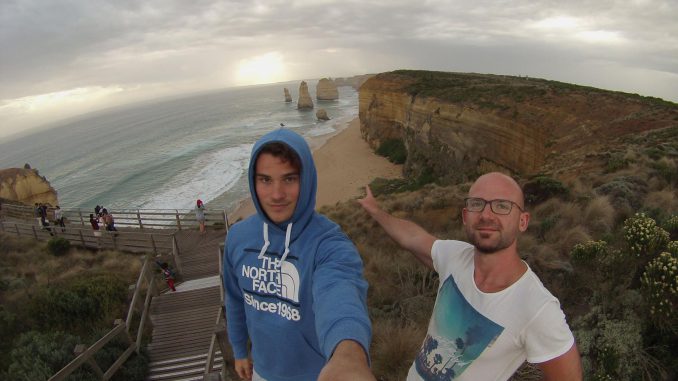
(294, 289)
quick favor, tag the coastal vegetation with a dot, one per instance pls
(603, 242)
(55, 297)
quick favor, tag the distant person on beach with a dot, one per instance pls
(97, 210)
(293, 280)
(59, 218)
(200, 215)
(492, 312)
(168, 274)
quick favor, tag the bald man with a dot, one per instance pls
(492, 312)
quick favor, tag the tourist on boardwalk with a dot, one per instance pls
(43, 219)
(200, 215)
(97, 210)
(94, 221)
(37, 212)
(293, 280)
(167, 274)
(59, 218)
(109, 222)
(492, 312)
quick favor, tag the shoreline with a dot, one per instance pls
(345, 164)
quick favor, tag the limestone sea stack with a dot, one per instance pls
(326, 90)
(305, 102)
(288, 97)
(25, 185)
(321, 114)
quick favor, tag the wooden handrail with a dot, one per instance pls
(219, 335)
(121, 328)
(138, 218)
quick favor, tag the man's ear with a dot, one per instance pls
(463, 215)
(524, 221)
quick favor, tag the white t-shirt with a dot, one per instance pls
(473, 335)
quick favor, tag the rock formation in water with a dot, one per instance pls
(26, 186)
(321, 114)
(457, 125)
(326, 90)
(305, 102)
(288, 97)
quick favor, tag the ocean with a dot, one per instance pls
(169, 153)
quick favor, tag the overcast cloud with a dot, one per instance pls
(61, 58)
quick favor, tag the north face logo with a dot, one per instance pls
(289, 282)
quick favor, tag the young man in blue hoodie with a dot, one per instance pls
(293, 280)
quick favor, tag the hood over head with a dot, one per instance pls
(309, 181)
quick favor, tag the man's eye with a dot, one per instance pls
(503, 205)
(291, 180)
(264, 180)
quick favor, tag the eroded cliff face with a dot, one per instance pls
(26, 186)
(460, 125)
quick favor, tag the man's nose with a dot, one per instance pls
(278, 190)
(487, 212)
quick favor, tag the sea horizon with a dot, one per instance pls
(167, 153)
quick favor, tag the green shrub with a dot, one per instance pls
(394, 150)
(659, 284)
(541, 188)
(626, 191)
(79, 303)
(588, 252)
(37, 356)
(58, 246)
(672, 248)
(616, 162)
(640, 232)
(671, 226)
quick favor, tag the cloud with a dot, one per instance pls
(179, 46)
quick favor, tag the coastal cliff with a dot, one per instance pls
(457, 125)
(26, 186)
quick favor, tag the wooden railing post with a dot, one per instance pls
(78, 351)
(225, 219)
(141, 226)
(82, 220)
(175, 254)
(16, 226)
(82, 238)
(155, 249)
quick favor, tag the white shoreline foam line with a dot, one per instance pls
(210, 175)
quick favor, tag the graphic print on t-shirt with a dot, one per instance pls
(457, 335)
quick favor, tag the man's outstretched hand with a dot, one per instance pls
(369, 203)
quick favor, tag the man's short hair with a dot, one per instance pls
(283, 152)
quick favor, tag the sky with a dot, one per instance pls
(61, 58)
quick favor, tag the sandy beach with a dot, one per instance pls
(345, 164)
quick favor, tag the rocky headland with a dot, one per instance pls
(26, 186)
(457, 125)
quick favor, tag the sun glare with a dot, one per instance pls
(266, 68)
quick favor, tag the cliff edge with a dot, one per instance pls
(455, 126)
(26, 186)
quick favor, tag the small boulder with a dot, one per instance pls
(321, 114)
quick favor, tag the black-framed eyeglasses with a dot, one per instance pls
(498, 206)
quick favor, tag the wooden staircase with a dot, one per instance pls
(183, 321)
